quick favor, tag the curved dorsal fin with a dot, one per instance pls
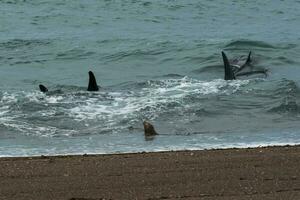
(249, 58)
(92, 82)
(248, 61)
(229, 74)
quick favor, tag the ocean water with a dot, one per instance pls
(155, 60)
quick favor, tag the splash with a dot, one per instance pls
(113, 111)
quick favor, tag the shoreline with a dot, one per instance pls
(238, 173)
(158, 151)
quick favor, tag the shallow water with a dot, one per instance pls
(155, 60)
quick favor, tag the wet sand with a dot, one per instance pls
(258, 173)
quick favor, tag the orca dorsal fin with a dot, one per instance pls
(92, 82)
(248, 61)
(229, 74)
(248, 58)
(43, 88)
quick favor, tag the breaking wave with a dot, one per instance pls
(112, 110)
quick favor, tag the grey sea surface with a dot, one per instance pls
(154, 60)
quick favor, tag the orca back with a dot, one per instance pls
(43, 88)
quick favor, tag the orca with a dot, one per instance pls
(92, 82)
(149, 129)
(91, 87)
(235, 68)
(43, 88)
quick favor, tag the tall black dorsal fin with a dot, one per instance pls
(43, 88)
(229, 74)
(92, 82)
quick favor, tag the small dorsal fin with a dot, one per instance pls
(248, 61)
(229, 74)
(92, 82)
(249, 58)
(43, 88)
